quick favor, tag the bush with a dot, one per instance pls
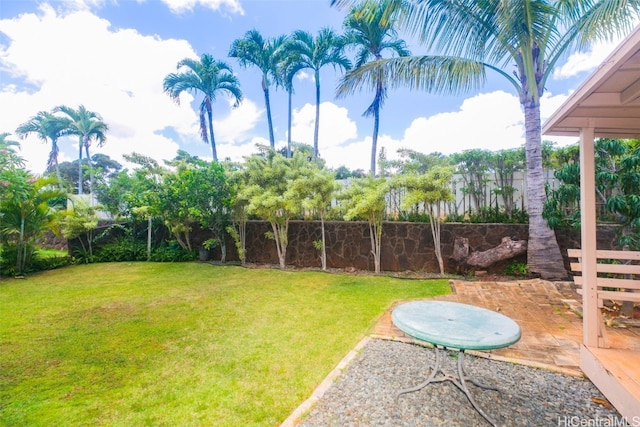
(516, 269)
(35, 263)
(122, 249)
(172, 253)
(491, 215)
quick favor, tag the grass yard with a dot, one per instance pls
(186, 344)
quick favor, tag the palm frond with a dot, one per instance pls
(434, 74)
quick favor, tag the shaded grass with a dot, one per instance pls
(185, 344)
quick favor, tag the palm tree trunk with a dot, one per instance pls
(265, 89)
(543, 252)
(213, 140)
(86, 148)
(316, 129)
(374, 141)
(289, 124)
(80, 167)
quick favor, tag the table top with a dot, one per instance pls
(456, 325)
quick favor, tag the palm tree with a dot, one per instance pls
(521, 41)
(325, 49)
(289, 65)
(8, 156)
(47, 126)
(253, 49)
(371, 33)
(89, 127)
(208, 77)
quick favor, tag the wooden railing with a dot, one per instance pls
(618, 279)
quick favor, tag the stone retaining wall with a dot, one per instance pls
(405, 245)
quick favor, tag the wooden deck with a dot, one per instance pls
(616, 372)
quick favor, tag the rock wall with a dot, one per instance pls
(405, 245)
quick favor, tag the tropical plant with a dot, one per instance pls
(314, 53)
(473, 167)
(79, 223)
(47, 126)
(317, 188)
(286, 69)
(208, 199)
(9, 159)
(25, 212)
(89, 127)
(207, 77)
(270, 196)
(617, 189)
(265, 54)
(372, 33)
(505, 163)
(531, 36)
(365, 198)
(430, 190)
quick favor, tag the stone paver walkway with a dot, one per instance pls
(546, 313)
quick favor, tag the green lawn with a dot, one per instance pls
(186, 344)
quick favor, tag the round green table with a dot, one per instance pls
(456, 326)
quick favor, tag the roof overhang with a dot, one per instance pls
(608, 101)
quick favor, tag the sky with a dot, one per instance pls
(112, 56)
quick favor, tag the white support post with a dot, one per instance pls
(588, 235)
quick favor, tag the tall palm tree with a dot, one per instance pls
(325, 49)
(47, 126)
(253, 49)
(89, 127)
(289, 65)
(521, 41)
(372, 33)
(208, 77)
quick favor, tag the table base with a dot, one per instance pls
(438, 375)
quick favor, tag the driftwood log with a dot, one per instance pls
(507, 248)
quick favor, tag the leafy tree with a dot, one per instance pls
(505, 163)
(89, 127)
(431, 190)
(47, 126)
(365, 198)
(314, 53)
(265, 54)
(371, 32)
(412, 161)
(270, 195)
(473, 166)
(617, 188)
(25, 213)
(209, 198)
(208, 77)
(80, 221)
(317, 188)
(238, 179)
(529, 36)
(344, 172)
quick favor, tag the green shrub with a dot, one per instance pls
(172, 253)
(122, 249)
(516, 269)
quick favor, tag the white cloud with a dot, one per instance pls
(118, 74)
(335, 126)
(585, 61)
(491, 121)
(233, 128)
(181, 6)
